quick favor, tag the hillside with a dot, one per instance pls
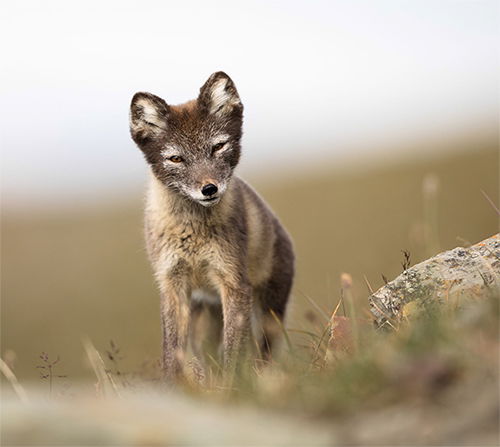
(85, 273)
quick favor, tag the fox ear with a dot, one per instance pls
(219, 95)
(148, 116)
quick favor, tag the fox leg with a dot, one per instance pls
(273, 297)
(175, 317)
(237, 311)
(272, 316)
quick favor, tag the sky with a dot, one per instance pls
(320, 80)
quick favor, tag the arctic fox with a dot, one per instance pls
(223, 262)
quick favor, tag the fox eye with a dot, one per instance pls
(218, 146)
(176, 159)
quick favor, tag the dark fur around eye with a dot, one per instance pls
(218, 146)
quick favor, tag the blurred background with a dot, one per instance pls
(371, 127)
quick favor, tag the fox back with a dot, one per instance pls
(223, 262)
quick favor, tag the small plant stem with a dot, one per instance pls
(50, 381)
(354, 320)
(346, 288)
(430, 190)
(285, 333)
(491, 202)
(11, 377)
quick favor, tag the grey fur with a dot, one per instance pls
(230, 246)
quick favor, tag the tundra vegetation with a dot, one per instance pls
(428, 377)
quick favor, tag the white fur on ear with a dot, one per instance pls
(221, 100)
(147, 115)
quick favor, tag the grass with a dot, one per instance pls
(437, 362)
(437, 351)
(87, 273)
(338, 380)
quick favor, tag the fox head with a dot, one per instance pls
(192, 148)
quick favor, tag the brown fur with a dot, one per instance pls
(232, 255)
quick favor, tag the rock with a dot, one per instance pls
(451, 277)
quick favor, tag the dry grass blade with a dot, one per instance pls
(370, 289)
(285, 333)
(11, 377)
(317, 307)
(487, 197)
(316, 355)
(257, 346)
(385, 314)
(346, 286)
(330, 325)
(105, 384)
(215, 362)
(301, 331)
(328, 328)
(334, 313)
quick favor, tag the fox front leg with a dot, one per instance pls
(236, 308)
(175, 316)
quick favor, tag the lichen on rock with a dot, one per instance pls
(449, 277)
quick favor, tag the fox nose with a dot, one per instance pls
(209, 189)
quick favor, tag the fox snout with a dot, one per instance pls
(211, 192)
(209, 189)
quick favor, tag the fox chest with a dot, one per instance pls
(187, 249)
(191, 242)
